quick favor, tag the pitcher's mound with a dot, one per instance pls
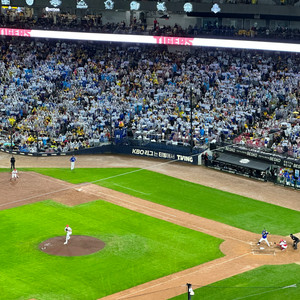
(78, 245)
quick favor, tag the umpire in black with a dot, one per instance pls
(296, 241)
(12, 163)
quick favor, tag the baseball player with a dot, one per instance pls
(264, 236)
(72, 160)
(283, 244)
(14, 174)
(68, 230)
(296, 241)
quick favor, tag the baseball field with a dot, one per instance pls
(159, 231)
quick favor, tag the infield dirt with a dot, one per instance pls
(78, 245)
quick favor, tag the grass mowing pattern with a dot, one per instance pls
(231, 209)
(267, 282)
(138, 249)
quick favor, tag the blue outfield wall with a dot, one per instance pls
(153, 150)
(175, 154)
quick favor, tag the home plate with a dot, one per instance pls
(261, 248)
(79, 190)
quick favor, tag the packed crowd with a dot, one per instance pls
(57, 22)
(64, 96)
(214, 29)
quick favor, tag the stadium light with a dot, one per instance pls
(134, 5)
(55, 3)
(29, 2)
(161, 6)
(215, 8)
(81, 4)
(188, 7)
(109, 4)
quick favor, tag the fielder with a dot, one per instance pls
(68, 230)
(14, 174)
(72, 160)
(264, 236)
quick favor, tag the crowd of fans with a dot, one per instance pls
(259, 33)
(66, 22)
(63, 96)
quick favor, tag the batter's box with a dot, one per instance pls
(263, 251)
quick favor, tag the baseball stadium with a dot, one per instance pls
(149, 150)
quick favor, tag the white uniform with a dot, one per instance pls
(14, 174)
(68, 230)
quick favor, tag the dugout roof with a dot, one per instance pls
(243, 161)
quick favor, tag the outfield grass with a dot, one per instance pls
(267, 282)
(231, 209)
(138, 249)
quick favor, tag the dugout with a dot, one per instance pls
(243, 165)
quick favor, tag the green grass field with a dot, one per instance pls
(231, 209)
(138, 249)
(266, 283)
(135, 254)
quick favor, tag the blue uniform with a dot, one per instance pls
(72, 160)
(264, 234)
(264, 237)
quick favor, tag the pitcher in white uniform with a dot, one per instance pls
(68, 230)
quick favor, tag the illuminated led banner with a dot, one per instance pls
(163, 40)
